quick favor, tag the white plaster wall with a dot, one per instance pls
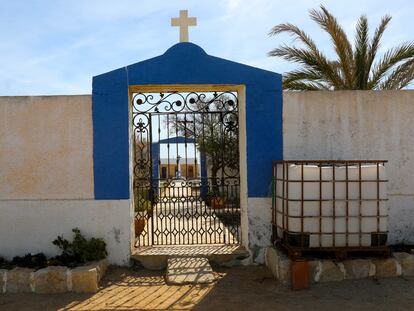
(359, 125)
(46, 147)
(29, 226)
(259, 226)
(47, 171)
(46, 179)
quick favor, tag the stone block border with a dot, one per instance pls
(50, 280)
(400, 264)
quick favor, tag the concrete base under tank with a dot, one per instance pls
(326, 270)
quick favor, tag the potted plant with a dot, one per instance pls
(214, 200)
(142, 207)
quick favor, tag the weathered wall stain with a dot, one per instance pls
(117, 233)
(46, 147)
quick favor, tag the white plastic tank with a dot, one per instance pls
(335, 214)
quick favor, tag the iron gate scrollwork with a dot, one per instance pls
(186, 168)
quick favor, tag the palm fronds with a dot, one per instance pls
(354, 67)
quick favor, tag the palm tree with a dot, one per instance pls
(356, 67)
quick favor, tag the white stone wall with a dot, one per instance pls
(260, 227)
(46, 166)
(46, 147)
(359, 125)
(30, 226)
(46, 178)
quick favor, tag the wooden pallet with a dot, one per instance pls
(338, 253)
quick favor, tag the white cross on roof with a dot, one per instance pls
(184, 22)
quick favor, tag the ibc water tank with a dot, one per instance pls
(331, 205)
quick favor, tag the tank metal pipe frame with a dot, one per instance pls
(346, 191)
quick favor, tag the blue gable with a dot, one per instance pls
(184, 63)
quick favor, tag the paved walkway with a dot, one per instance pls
(190, 250)
(189, 270)
(239, 288)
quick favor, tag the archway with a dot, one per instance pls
(179, 69)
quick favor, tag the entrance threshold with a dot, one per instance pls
(156, 257)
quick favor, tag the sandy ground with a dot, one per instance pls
(239, 288)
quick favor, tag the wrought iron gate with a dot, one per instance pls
(186, 168)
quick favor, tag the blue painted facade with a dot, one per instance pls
(155, 154)
(156, 147)
(184, 63)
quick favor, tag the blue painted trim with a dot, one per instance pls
(184, 63)
(155, 151)
(110, 136)
(177, 140)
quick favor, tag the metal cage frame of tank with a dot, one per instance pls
(297, 243)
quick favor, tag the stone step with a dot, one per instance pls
(189, 270)
(155, 257)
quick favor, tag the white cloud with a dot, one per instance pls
(232, 5)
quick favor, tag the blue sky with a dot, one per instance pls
(56, 46)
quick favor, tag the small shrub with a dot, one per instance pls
(142, 206)
(5, 264)
(75, 253)
(142, 200)
(79, 251)
(34, 261)
(63, 260)
(212, 196)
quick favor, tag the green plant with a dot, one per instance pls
(142, 200)
(5, 264)
(142, 206)
(79, 251)
(220, 147)
(211, 194)
(355, 67)
(30, 261)
(213, 197)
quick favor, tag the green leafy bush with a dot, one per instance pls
(35, 261)
(5, 264)
(142, 200)
(212, 195)
(142, 206)
(79, 251)
(75, 253)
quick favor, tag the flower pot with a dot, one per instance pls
(139, 226)
(217, 203)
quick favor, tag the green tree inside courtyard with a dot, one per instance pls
(215, 134)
